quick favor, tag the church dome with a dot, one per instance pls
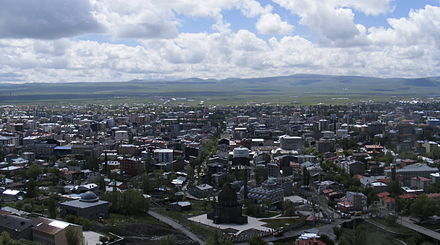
(89, 197)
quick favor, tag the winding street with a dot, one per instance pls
(176, 226)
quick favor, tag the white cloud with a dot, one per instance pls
(370, 7)
(408, 47)
(333, 24)
(46, 19)
(272, 24)
(421, 27)
(135, 19)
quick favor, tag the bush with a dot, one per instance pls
(391, 219)
(85, 223)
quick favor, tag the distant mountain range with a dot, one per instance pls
(281, 88)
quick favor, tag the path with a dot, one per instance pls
(405, 221)
(176, 226)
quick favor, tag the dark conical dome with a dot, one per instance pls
(227, 196)
(89, 197)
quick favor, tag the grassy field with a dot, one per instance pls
(367, 235)
(394, 227)
(283, 223)
(182, 218)
(298, 89)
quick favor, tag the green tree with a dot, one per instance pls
(130, 202)
(391, 219)
(168, 240)
(31, 189)
(74, 237)
(86, 223)
(394, 188)
(326, 240)
(288, 208)
(306, 176)
(371, 196)
(360, 235)
(101, 183)
(33, 171)
(256, 240)
(52, 208)
(338, 232)
(92, 163)
(218, 239)
(423, 207)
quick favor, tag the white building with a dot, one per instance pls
(163, 155)
(121, 135)
(241, 152)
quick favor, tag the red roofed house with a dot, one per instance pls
(386, 201)
(419, 182)
(408, 196)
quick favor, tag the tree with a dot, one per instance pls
(423, 207)
(371, 196)
(254, 210)
(168, 240)
(31, 189)
(92, 163)
(52, 208)
(360, 235)
(260, 175)
(394, 188)
(218, 239)
(288, 208)
(326, 240)
(256, 240)
(391, 219)
(101, 183)
(86, 223)
(306, 177)
(33, 171)
(130, 202)
(73, 237)
(338, 232)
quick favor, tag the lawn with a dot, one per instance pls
(198, 208)
(285, 223)
(115, 219)
(367, 235)
(395, 227)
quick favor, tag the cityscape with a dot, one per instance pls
(231, 122)
(147, 173)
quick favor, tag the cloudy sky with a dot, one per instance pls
(119, 40)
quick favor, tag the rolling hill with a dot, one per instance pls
(300, 87)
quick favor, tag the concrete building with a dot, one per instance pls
(270, 191)
(241, 152)
(17, 227)
(273, 170)
(413, 170)
(163, 155)
(88, 206)
(325, 145)
(121, 135)
(291, 142)
(53, 232)
(353, 167)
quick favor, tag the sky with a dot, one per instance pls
(122, 40)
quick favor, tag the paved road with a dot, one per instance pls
(324, 229)
(405, 221)
(176, 226)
